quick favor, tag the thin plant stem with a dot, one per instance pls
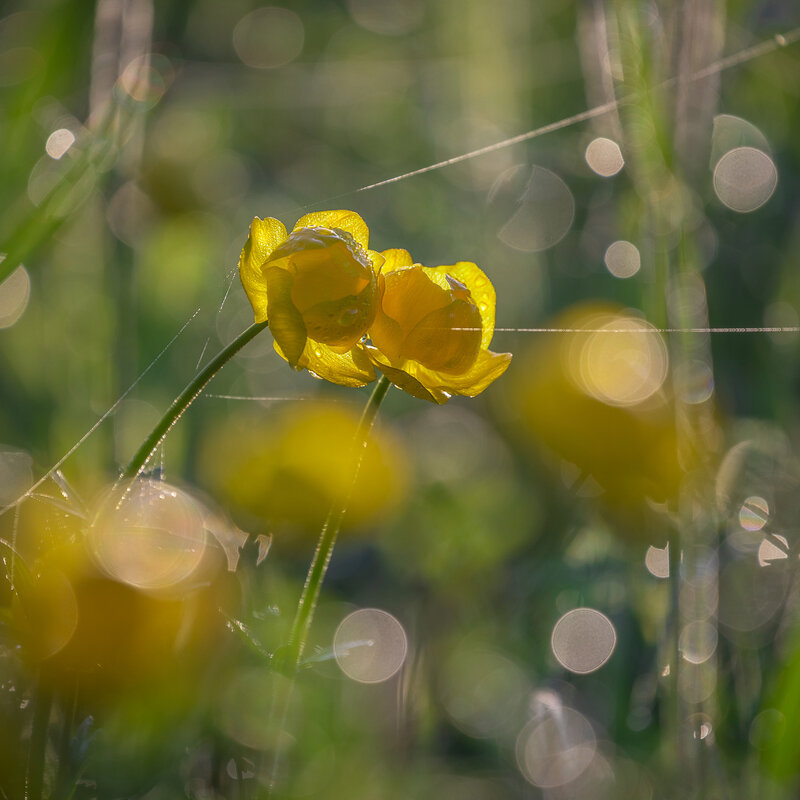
(288, 660)
(185, 399)
(34, 781)
(330, 530)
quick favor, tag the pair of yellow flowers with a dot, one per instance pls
(341, 310)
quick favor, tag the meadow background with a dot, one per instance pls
(139, 139)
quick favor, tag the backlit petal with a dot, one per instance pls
(285, 321)
(352, 368)
(487, 368)
(395, 259)
(447, 339)
(405, 380)
(482, 291)
(265, 236)
(344, 220)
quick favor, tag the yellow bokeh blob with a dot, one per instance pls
(593, 393)
(287, 469)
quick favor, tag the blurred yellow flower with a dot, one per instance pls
(317, 287)
(596, 396)
(433, 328)
(73, 621)
(288, 468)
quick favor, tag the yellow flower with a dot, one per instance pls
(595, 395)
(317, 287)
(433, 328)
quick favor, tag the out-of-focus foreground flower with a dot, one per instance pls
(125, 604)
(317, 286)
(433, 328)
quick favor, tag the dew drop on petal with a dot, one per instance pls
(583, 640)
(604, 157)
(745, 178)
(370, 645)
(622, 259)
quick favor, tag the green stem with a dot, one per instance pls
(289, 658)
(330, 530)
(38, 749)
(185, 399)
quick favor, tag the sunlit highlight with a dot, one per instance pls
(15, 292)
(754, 513)
(59, 142)
(656, 560)
(604, 157)
(744, 179)
(622, 259)
(624, 369)
(370, 646)
(698, 641)
(583, 640)
(555, 750)
(540, 208)
(772, 549)
(152, 537)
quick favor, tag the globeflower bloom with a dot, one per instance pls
(433, 328)
(318, 288)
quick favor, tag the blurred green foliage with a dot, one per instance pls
(183, 121)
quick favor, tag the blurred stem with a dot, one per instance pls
(185, 399)
(330, 530)
(36, 756)
(63, 777)
(46, 218)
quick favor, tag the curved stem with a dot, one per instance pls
(185, 399)
(330, 530)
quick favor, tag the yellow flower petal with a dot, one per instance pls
(352, 368)
(482, 291)
(403, 379)
(344, 220)
(447, 339)
(376, 259)
(265, 236)
(487, 368)
(438, 387)
(396, 259)
(285, 321)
